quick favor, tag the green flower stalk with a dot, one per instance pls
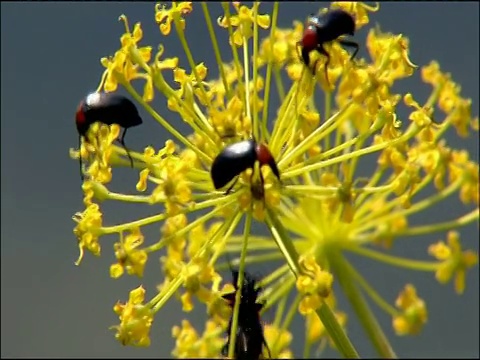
(322, 208)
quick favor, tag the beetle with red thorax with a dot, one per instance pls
(108, 109)
(323, 29)
(238, 157)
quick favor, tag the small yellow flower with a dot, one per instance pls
(173, 187)
(170, 231)
(88, 193)
(279, 341)
(230, 122)
(196, 276)
(315, 330)
(189, 344)
(135, 320)
(314, 284)
(164, 16)
(115, 67)
(124, 66)
(172, 265)
(281, 47)
(390, 55)
(129, 256)
(431, 74)
(414, 315)
(200, 272)
(100, 169)
(421, 117)
(243, 22)
(188, 85)
(455, 262)
(86, 231)
(469, 192)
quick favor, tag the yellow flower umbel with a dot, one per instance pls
(326, 202)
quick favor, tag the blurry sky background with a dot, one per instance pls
(50, 59)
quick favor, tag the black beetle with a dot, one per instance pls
(249, 339)
(238, 157)
(108, 109)
(323, 29)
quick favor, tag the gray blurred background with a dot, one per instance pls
(50, 60)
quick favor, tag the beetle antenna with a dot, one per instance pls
(235, 273)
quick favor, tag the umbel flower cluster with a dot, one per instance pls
(323, 134)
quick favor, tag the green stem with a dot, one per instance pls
(395, 260)
(344, 273)
(285, 245)
(374, 295)
(216, 49)
(283, 241)
(279, 83)
(327, 114)
(287, 321)
(268, 78)
(336, 332)
(254, 119)
(280, 310)
(277, 291)
(162, 216)
(256, 259)
(171, 288)
(239, 286)
(443, 226)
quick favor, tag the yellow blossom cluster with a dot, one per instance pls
(321, 207)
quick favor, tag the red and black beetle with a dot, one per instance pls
(249, 339)
(107, 108)
(326, 28)
(238, 157)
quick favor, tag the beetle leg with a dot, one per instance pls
(262, 183)
(122, 141)
(351, 44)
(266, 346)
(231, 186)
(324, 52)
(306, 56)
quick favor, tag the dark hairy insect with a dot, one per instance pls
(238, 157)
(249, 339)
(108, 109)
(326, 28)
